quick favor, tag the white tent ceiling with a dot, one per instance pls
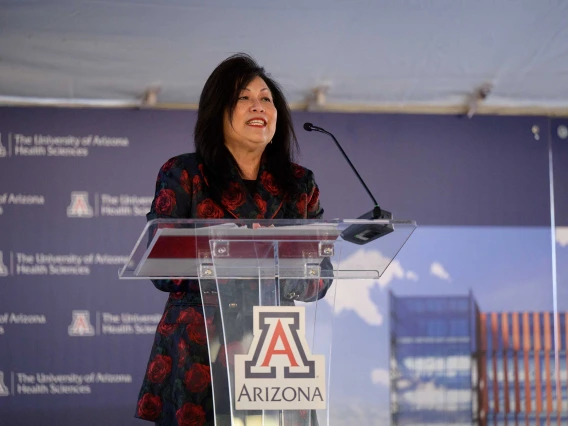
(369, 54)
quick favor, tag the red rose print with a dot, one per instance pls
(313, 203)
(183, 352)
(207, 209)
(196, 329)
(197, 333)
(234, 196)
(165, 201)
(185, 182)
(267, 181)
(190, 415)
(188, 316)
(149, 407)
(298, 171)
(200, 167)
(178, 295)
(261, 204)
(301, 204)
(169, 164)
(196, 184)
(165, 329)
(159, 368)
(197, 378)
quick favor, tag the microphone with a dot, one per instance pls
(360, 234)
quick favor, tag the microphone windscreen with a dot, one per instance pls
(308, 127)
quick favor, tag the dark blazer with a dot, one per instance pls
(177, 385)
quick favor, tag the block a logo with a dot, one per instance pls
(3, 268)
(2, 148)
(279, 372)
(81, 325)
(3, 388)
(79, 206)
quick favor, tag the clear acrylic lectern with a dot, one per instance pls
(273, 286)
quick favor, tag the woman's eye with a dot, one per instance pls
(242, 98)
(267, 99)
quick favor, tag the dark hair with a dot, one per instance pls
(221, 92)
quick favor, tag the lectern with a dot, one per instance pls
(273, 286)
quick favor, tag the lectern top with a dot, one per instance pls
(181, 248)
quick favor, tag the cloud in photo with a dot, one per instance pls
(355, 295)
(411, 276)
(439, 271)
(355, 412)
(429, 395)
(562, 236)
(380, 376)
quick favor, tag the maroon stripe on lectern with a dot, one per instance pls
(191, 247)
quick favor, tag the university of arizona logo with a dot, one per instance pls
(2, 149)
(3, 388)
(81, 325)
(79, 206)
(3, 268)
(279, 372)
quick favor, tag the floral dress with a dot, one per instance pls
(176, 389)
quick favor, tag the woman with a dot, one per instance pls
(242, 168)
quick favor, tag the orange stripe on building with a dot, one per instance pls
(505, 354)
(526, 349)
(547, 352)
(537, 375)
(516, 347)
(495, 340)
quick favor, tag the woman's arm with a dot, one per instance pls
(310, 290)
(172, 200)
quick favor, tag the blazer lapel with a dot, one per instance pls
(235, 198)
(268, 198)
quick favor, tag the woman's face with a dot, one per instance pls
(254, 119)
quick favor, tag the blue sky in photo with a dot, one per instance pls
(507, 269)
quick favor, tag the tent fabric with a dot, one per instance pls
(363, 52)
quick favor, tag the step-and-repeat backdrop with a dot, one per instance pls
(75, 186)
